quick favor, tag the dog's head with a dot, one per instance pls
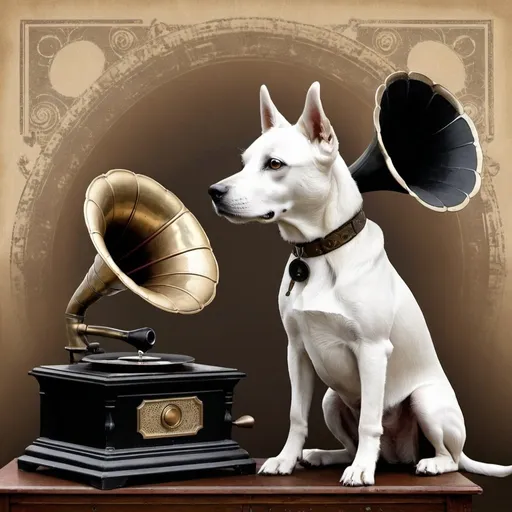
(286, 171)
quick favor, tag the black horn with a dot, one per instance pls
(424, 145)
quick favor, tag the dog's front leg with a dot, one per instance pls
(372, 358)
(302, 381)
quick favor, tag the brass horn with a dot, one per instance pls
(148, 242)
(424, 145)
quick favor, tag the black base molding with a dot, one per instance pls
(107, 469)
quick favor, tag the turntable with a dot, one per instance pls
(118, 419)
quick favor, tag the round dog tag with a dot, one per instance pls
(298, 270)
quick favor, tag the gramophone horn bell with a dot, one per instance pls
(147, 242)
(424, 145)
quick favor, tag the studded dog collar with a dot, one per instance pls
(299, 269)
(333, 240)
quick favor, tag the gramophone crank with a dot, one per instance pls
(116, 419)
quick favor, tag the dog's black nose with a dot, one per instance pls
(217, 192)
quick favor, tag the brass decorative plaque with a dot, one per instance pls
(170, 417)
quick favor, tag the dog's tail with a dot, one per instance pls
(482, 468)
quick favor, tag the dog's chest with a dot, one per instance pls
(320, 314)
(327, 340)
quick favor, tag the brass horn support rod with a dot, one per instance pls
(142, 339)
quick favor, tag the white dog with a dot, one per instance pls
(354, 321)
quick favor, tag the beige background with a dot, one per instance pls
(187, 134)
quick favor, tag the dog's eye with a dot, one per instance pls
(274, 164)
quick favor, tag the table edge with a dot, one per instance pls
(466, 487)
(245, 491)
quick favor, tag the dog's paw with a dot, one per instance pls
(317, 458)
(357, 475)
(278, 466)
(314, 458)
(436, 466)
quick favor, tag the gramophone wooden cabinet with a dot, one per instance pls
(305, 491)
(115, 429)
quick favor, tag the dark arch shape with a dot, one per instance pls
(171, 54)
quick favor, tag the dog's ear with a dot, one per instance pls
(270, 116)
(313, 122)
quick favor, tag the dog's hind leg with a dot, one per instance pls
(443, 425)
(342, 424)
(441, 420)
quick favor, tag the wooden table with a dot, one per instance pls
(305, 491)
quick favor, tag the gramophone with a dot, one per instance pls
(116, 419)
